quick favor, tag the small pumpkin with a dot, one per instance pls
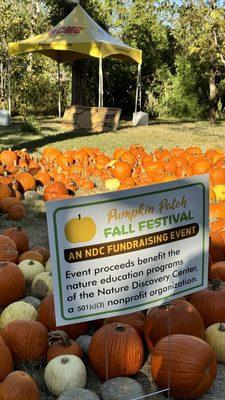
(12, 283)
(189, 365)
(42, 285)
(124, 349)
(112, 184)
(31, 255)
(6, 360)
(33, 301)
(61, 344)
(121, 388)
(84, 342)
(54, 190)
(63, 373)
(17, 212)
(16, 311)
(43, 251)
(7, 203)
(8, 249)
(18, 385)
(30, 269)
(215, 337)
(19, 236)
(26, 181)
(78, 394)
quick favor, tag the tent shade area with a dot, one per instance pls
(78, 36)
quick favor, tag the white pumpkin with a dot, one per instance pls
(17, 310)
(42, 285)
(63, 373)
(215, 337)
(30, 268)
(48, 265)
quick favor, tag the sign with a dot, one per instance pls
(130, 250)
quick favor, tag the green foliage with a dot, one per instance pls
(31, 124)
(179, 95)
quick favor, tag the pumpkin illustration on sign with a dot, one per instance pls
(81, 229)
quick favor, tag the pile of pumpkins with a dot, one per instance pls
(186, 360)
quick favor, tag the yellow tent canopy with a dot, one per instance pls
(77, 36)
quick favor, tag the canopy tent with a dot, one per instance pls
(75, 37)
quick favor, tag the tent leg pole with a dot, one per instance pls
(59, 87)
(138, 88)
(100, 85)
(9, 87)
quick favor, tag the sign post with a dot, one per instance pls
(127, 251)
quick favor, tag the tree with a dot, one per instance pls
(199, 28)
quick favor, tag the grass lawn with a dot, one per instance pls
(159, 133)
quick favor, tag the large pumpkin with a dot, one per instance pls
(19, 386)
(210, 303)
(12, 283)
(8, 249)
(124, 351)
(27, 340)
(178, 317)
(189, 365)
(6, 360)
(46, 315)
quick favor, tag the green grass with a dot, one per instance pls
(159, 133)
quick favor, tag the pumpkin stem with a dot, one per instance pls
(222, 327)
(119, 328)
(31, 262)
(216, 284)
(79, 216)
(59, 337)
(64, 360)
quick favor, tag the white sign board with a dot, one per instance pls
(130, 250)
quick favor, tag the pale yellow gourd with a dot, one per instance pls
(112, 184)
(215, 337)
(17, 310)
(48, 266)
(42, 285)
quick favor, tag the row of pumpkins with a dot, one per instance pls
(28, 330)
(63, 174)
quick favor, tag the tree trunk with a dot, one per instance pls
(212, 96)
(79, 83)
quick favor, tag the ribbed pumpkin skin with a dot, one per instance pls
(19, 386)
(8, 250)
(27, 340)
(210, 304)
(217, 270)
(193, 366)
(182, 317)
(136, 320)
(46, 315)
(6, 361)
(124, 348)
(12, 283)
